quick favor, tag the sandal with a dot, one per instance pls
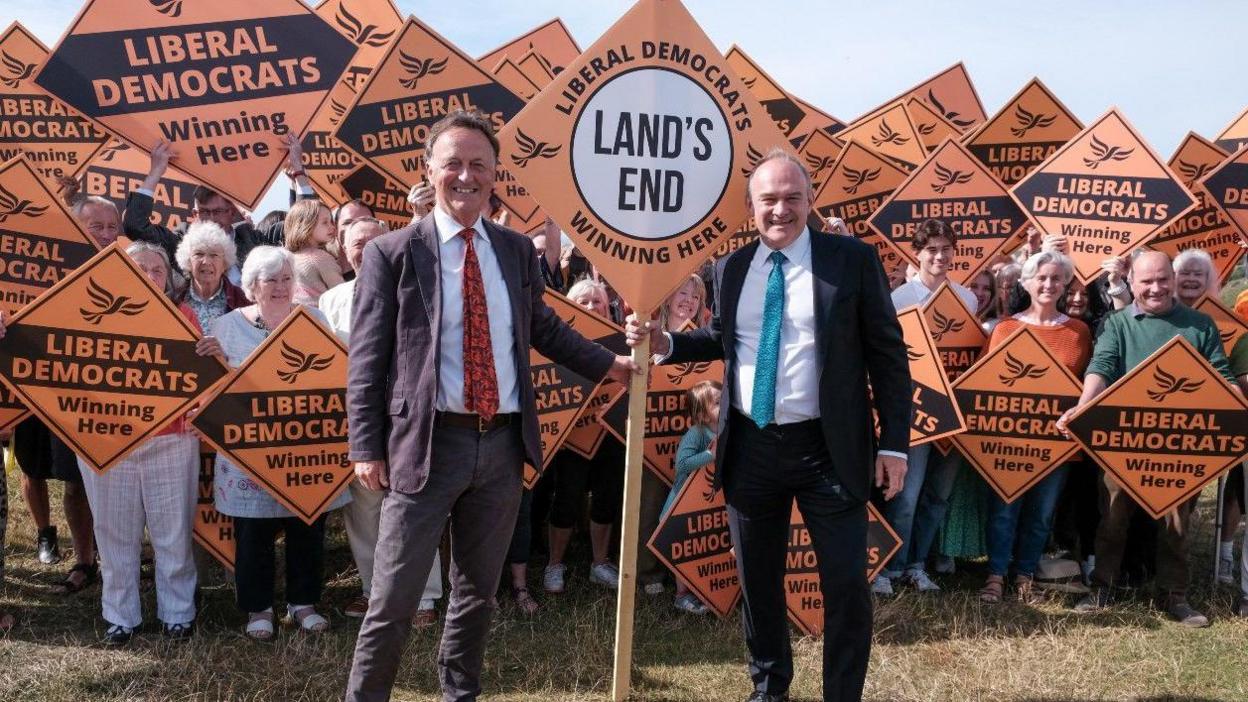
(992, 590)
(90, 576)
(525, 601)
(1025, 590)
(7, 622)
(306, 617)
(260, 625)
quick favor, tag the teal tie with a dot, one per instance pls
(763, 404)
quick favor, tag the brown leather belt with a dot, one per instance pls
(474, 421)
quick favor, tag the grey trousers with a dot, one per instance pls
(475, 480)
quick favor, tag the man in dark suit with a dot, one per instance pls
(441, 405)
(804, 321)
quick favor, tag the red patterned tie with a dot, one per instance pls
(480, 382)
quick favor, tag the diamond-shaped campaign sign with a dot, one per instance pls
(640, 150)
(954, 187)
(550, 43)
(1235, 136)
(891, 133)
(58, 141)
(1030, 128)
(1105, 191)
(802, 592)
(819, 151)
(952, 94)
(857, 184)
(213, 531)
(12, 411)
(222, 80)
(955, 329)
(1166, 428)
(120, 169)
(932, 127)
(281, 417)
(936, 414)
(1227, 186)
(1230, 326)
(792, 117)
(387, 198)
(693, 541)
(1012, 399)
(105, 359)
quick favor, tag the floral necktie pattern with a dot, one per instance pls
(480, 381)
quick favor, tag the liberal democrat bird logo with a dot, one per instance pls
(886, 135)
(817, 163)
(949, 177)
(858, 178)
(338, 109)
(749, 82)
(1104, 152)
(112, 150)
(1168, 385)
(1028, 120)
(945, 325)
(1019, 370)
(911, 354)
(926, 129)
(530, 149)
(107, 304)
(953, 117)
(1226, 336)
(172, 8)
(359, 32)
(418, 68)
(753, 156)
(680, 371)
(15, 69)
(1194, 171)
(12, 206)
(298, 363)
(709, 495)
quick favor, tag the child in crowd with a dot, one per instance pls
(697, 448)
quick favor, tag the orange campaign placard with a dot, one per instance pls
(1012, 399)
(105, 359)
(932, 127)
(588, 431)
(955, 329)
(281, 417)
(40, 241)
(1230, 326)
(386, 198)
(792, 117)
(953, 95)
(858, 183)
(421, 78)
(693, 541)
(1235, 136)
(370, 25)
(1106, 191)
(889, 132)
(213, 531)
(1227, 186)
(954, 187)
(223, 81)
(818, 120)
(551, 42)
(802, 592)
(514, 79)
(1204, 227)
(12, 411)
(640, 150)
(120, 169)
(1166, 429)
(58, 140)
(819, 151)
(1030, 128)
(936, 414)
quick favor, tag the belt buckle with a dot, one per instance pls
(481, 425)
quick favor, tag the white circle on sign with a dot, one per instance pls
(651, 153)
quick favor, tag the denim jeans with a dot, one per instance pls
(1017, 532)
(918, 512)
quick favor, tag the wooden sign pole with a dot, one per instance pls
(628, 524)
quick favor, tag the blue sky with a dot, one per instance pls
(1171, 67)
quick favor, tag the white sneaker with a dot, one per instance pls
(553, 578)
(921, 581)
(605, 574)
(882, 585)
(653, 589)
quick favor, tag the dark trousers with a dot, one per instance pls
(766, 470)
(255, 555)
(601, 477)
(475, 479)
(1173, 529)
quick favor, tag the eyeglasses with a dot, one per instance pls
(213, 212)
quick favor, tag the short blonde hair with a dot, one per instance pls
(700, 287)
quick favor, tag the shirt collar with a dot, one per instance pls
(448, 228)
(798, 251)
(1136, 312)
(219, 293)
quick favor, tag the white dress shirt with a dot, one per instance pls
(914, 292)
(451, 250)
(336, 304)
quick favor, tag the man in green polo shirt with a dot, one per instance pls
(1127, 338)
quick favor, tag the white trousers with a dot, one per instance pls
(154, 487)
(362, 517)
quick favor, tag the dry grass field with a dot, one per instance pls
(944, 647)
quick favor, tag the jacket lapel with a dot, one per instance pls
(425, 256)
(822, 265)
(732, 281)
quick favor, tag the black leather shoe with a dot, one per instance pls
(117, 635)
(768, 697)
(180, 631)
(49, 551)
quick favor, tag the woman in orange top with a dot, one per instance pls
(1017, 532)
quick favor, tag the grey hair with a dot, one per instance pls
(588, 285)
(777, 154)
(205, 235)
(87, 200)
(1032, 265)
(139, 247)
(1205, 260)
(366, 220)
(264, 261)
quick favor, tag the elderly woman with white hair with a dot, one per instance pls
(1017, 532)
(268, 279)
(1194, 276)
(205, 254)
